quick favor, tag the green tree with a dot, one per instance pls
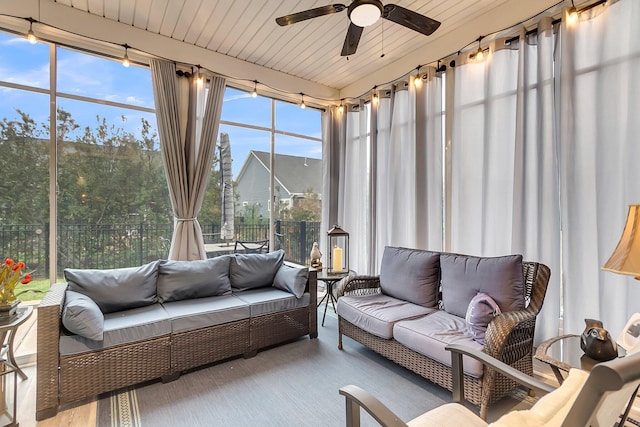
(306, 208)
(24, 162)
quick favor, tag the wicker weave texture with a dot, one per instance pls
(90, 374)
(427, 368)
(277, 328)
(48, 334)
(207, 345)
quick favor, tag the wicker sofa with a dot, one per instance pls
(177, 315)
(423, 301)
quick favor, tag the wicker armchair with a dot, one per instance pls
(509, 338)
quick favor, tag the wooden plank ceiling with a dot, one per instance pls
(246, 30)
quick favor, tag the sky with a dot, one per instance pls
(89, 76)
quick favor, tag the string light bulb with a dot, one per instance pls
(374, 97)
(254, 94)
(479, 55)
(572, 14)
(341, 107)
(302, 101)
(30, 34)
(125, 59)
(200, 78)
(417, 81)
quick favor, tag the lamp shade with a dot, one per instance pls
(626, 257)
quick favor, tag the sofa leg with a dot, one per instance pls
(339, 341)
(171, 377)
(46, 413)
(250, 354)
(313, 335)
(483, 411)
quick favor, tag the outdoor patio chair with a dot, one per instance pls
(596, 398)
(251, 247)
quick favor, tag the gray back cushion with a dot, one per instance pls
(291, 279)
(411, 275)
(179, 280)
(463, 276)
(116, 289)
(249, 271)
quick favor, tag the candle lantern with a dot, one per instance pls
(338, 246)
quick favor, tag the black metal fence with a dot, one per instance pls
(126, 245)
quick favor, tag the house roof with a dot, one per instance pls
(295, 174)
(241, 40)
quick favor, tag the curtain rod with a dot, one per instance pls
(555, 21)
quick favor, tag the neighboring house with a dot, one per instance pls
(294, 177)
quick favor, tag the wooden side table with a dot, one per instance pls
(7, 335)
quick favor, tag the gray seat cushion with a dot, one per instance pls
(123, 327)
(378, 313)
(463, 276)
(179, 280)
(411, 274)
(199, 313)
(271, 300)
(116, 289)
(430, 334)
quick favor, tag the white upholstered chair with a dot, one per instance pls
(595, 398)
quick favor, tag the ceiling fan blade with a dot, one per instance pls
(410, 19)
(308, 14)
(351, 41)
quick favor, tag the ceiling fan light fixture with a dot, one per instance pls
(365, 13)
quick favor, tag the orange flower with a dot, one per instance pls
(18, 266)
(8, 261)
(26, 279)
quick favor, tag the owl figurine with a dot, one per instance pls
(315, 257)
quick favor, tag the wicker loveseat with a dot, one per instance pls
(422, 301)
(169, 317)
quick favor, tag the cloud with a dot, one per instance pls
(237, 96)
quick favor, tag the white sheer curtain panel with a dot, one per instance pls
(392, 192)
(504, 192)
(354, 212)
(187, 145)
(482, 155)
(599, 115)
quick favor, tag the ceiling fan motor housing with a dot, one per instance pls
(364, 13)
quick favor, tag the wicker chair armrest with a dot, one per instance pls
(457, 372)
(356, 398)
(48, 337)
(359, 285)
(513, 330)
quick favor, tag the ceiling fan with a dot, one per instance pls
(363, 13)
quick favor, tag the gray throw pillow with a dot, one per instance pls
(116, 289)
(82, 316)
(291, 279)
(249, 271)
(179, 280)
(411, 275)
(482, 309)
(463, 276)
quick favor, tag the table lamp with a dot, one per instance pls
(626, 257)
